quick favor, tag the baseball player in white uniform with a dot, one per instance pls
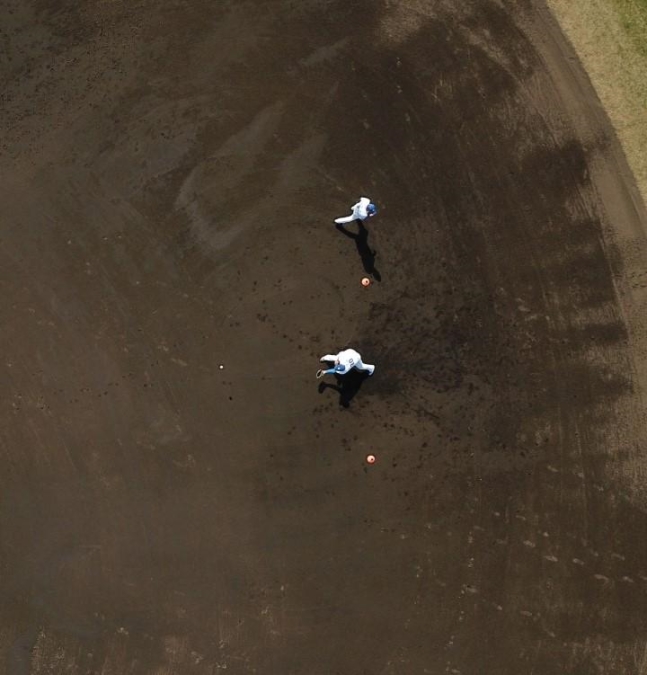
(361, 211)
(344, 362)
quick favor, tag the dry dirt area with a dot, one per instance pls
(178, 495)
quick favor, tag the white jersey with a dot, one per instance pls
(349, 358)
(359, 209)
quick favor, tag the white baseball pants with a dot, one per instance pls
(347, 219)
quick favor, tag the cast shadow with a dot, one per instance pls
(363, 249)
(347, 386)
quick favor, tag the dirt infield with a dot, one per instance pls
(179, 496)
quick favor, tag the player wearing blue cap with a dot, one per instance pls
(361, 211)
(344, 362)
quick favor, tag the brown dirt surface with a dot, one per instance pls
(179, 497)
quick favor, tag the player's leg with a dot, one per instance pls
(365, 367)
(345, 219)
(328, 358)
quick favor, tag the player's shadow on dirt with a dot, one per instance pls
(365, 252)
(347, 386)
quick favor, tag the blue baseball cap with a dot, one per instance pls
(372, 209)
(340, 369)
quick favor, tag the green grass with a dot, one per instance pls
(633, 15)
